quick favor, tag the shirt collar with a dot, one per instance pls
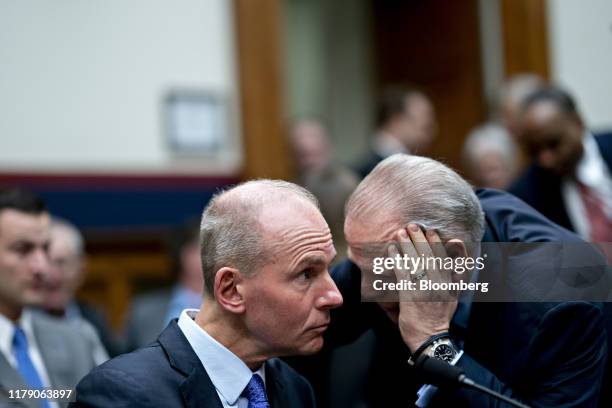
(7, 330)
(228, 373)
(591, 168)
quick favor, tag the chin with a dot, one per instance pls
(313, 346)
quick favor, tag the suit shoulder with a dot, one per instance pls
(129, 380)
(137, 363)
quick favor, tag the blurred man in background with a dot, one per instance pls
(569, 179)
(330, 182)
(512, 94)
(406, 123)
(490, 157)
(36, 351)
(66, 275)
(151, 312)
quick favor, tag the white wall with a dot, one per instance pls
(581, 55)
(82, 82)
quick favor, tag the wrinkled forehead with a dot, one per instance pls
(293, 226)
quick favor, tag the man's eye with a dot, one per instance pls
(306, 274)
(22, 249)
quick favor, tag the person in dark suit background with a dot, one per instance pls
(405, 123)
(151, 312)
(66, 274)
(545, 354)
(36, 350)
(569, 180)
(265, 252)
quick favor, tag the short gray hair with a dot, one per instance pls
(404, 188)
(230, 231)
(77, 242)
(486, 138)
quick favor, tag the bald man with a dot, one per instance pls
(267, 292)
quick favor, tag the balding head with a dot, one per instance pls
(233, 233)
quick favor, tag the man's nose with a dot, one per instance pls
(546, 158)
(330, 297)
(39, 262)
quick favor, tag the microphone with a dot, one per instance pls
(439, 373)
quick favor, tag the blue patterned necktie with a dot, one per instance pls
(25, 367)
(255, 393)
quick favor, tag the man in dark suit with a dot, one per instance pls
(405, 123)
(265, 253)
(545, 353)
(569, 180)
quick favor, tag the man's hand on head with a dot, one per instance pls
(423, 313)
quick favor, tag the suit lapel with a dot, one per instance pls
(11, 380)
(197, 389)
(277, 397)
(54, 354)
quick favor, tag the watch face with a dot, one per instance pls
(444, 352)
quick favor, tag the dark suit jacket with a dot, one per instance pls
(168, 373)
(368, 164)
(542, 189)
(546, 354)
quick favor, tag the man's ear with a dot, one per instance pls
(455, 248)
(227, 290)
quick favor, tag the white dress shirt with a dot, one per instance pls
(593, 173)
(7, 332)
(228, 373)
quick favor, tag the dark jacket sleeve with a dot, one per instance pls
(567, 359)
(108, 387)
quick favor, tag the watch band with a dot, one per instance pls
(413, 358)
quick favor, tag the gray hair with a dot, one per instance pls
(74, 235)
(488, 138)
(230, 232)
(404, 188)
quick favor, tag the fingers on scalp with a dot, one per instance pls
(406, 244)
(436, 244)
(419, 239)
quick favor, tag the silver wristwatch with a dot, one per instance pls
(443, 349)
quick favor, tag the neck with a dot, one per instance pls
(57, 312)
(229, 330)
(12, 313)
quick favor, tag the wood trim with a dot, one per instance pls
(260, 68)
(525, 37)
